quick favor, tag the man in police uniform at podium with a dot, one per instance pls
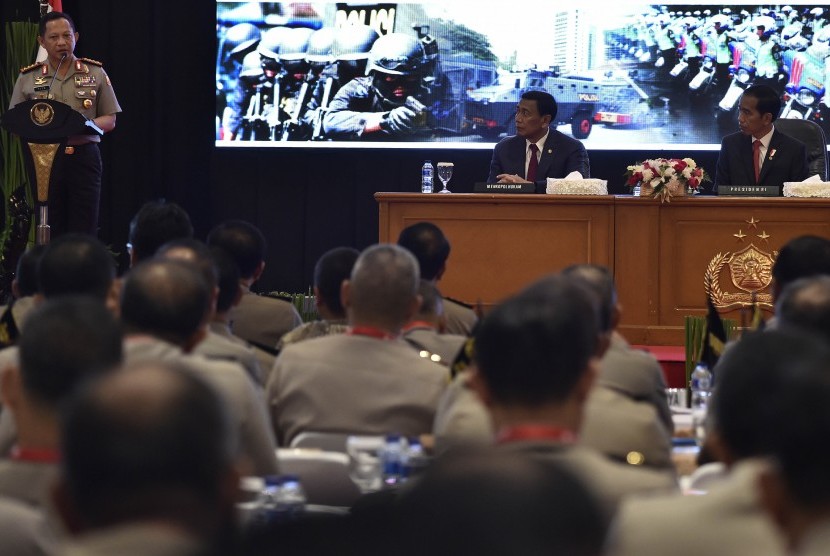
(82, 84)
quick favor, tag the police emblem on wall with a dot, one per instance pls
(750, 271)
(42, 114)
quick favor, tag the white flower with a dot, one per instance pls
(692, 164)
(687, 172)
(647, 174)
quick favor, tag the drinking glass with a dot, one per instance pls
(445, 174)
(365, 466)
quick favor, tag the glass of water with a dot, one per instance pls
(445, 174)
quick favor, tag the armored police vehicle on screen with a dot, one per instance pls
(490, 110)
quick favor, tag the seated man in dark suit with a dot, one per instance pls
(776, 159)
(557, 155)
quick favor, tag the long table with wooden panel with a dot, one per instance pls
(660, 254)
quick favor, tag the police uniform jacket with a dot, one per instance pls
(728, 520)
(86, 88)
(353, 384)
(262, 320)
(27, 481)
(24, 530)
(460, 318)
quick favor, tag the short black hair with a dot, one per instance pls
(156, 223)
(165, 298)
(331, 269)
(26, 274)
(769, 102)
(75, 264)
(533, 348)
(228, 274)
(746, 405)
(600, 280)
(52, 16)
(148, 442)
(243, 241)
(496, 503)
(65, 341)
(428, 243)
(801, 257)
(805, 304)
(544, 102)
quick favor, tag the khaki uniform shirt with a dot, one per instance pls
(86, 88)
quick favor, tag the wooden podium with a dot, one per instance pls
(662, 255)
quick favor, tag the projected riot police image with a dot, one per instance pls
(631, 75)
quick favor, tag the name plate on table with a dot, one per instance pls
(504, 188)
(749, 190)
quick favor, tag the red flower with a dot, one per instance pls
(679, 164)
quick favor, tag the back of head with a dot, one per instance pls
(75, 264)
(147, 443)
(544, 102)
(532, 349)
(243, 241)
(193, 252)
(769, 101)
(156, 223)
(802, 257)
(599, 280)
(383, 287)
(167, 299)
(805, 304)
(331, 269)
(428, 244)
(26, 274)
(498, 503)
(65, 341)
(747, 405)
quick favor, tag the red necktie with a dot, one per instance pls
(756, 158)
(533, 165)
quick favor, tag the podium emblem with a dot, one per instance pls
(750, 271)
(42, 114)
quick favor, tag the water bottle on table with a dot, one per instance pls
(427, 172)
(701, 389)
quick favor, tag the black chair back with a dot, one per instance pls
(811, 134)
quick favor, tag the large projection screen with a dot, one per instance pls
(625, 75)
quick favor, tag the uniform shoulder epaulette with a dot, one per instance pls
(457, 302)
(91, 61)
(29, 68)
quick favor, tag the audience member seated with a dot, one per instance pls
(147, 466)
(73, 264)
(425, 331)
(627, 414)
(155, 224)
(537, 356)
(258, 319)
(212, 345)
(24, 288)
(64, 342)
(368, 381)
(745, 409)
(795, 490)
(331, 270)
(801, 257)
(431, 248)
(164, 307)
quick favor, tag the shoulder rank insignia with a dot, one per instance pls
(91, 61)
(29, 68)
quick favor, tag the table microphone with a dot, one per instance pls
(49, 90)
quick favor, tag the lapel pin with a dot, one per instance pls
(771, 154)
(550, 151)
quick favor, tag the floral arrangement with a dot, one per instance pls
(666, 177)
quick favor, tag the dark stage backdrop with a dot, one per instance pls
(161, 58)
